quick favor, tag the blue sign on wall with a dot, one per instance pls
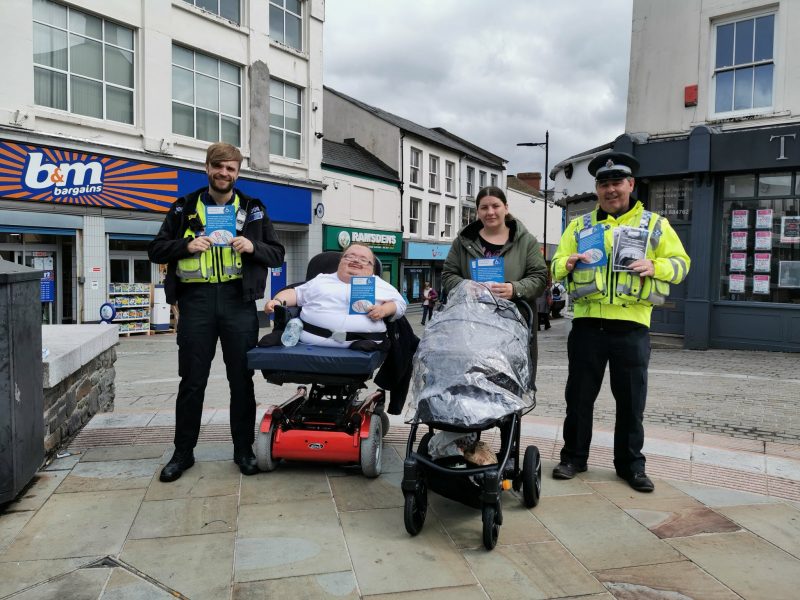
(55, 175)
(423, 251)
(47, 287)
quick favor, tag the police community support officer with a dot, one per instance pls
(612, 316)
(215, 288)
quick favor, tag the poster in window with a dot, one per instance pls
(739, 219)
(762, 262)
(789, 274)
(761, 284)
(764, 218)
(790, 230)
(736, 284)
(738, 240)
(763, 240)
(738, 261)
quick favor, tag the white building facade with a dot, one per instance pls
(112, 108)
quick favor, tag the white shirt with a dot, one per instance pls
(326, 303)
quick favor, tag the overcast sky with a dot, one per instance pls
(493, 72)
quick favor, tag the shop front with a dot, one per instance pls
(422, 262)
(734, 199)
(387, 246)
(85, 219)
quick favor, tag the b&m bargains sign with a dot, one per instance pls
(43, 174)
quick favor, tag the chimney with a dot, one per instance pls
(532, 179)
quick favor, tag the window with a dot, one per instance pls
(413, 216)
(285, 126)
(206, 97)
(433, 219)
(481, 179)
(449, 211)
(494, 179)
(468, 215)
(470, 181)
(760, 259)
(449, 177)
(227, 9)
(744, 66)
(286, 23)
(433, 173)
(415, 175)
(82, 64)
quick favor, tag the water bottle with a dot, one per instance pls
(291, 334)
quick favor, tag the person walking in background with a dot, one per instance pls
(215, 282)
(612, 307)
(429, 296)
(543, 303)
(559, 299)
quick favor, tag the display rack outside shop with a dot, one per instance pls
(132, 303)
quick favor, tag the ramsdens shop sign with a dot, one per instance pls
(338, 238)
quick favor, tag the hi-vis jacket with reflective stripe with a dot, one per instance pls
(602, 293)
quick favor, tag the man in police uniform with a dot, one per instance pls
(612, 315)
(215, 287)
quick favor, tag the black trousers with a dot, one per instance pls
(208, 312)
(427, 312)
(627, 354)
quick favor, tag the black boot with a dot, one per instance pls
(180, 461)
(246, 459)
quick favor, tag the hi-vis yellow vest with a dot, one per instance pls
(215, 265)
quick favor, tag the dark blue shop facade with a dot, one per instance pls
(733, 196)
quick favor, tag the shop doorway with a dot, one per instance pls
(42, 258)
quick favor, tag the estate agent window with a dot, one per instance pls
(206, 97)
(744, 66)
(760, 259)
(81, 63)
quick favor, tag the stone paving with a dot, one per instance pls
(97, 523)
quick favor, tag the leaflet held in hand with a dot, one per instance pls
(221, 224)
(487, 269)
(362, 295)
(630, 245)
(591, 243)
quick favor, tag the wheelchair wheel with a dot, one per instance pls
(416, 508)
(264, 449)
(491, 527)
(372, 448)
(531, 477)
(384, 422)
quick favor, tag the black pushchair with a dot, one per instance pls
(472, 372)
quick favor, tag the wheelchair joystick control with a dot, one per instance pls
(291, 334)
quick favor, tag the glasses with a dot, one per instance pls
(361, 261)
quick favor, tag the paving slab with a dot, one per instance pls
(536, 571)
(109, 453)
(339, 586)
(82, 584)
(123, 585)
(198, 566)
(297, 538)
(357, 492)
(16, 576)
(63, 461)
(464, 592)
(387, 559)
(776, 523)
(79, 524)
(185, 516)
(715, 496)
(770, 573)
(114, 475)
(11, 523)
(465, 526)
(676, 580)
(287, 483)
(36, 493)
(203, 480)
(600, 534)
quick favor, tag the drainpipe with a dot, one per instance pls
(401, 262)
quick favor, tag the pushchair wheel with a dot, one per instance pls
(372, 448)
(416, 508)
(531, 477)
(491, 525)
(264, 449)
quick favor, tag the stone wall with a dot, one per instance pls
(70, 404)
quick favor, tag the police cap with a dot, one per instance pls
(613, 165)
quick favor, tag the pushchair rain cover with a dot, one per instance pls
(473, 365)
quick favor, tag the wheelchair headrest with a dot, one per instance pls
(328, 262)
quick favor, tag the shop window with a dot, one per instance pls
(671, 199)
(82, 63)
(760, 259)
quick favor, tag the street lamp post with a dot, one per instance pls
(546, 144)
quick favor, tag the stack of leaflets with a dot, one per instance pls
(630, 245)
(221, 224)
(362, 294)
(487, 269)
(591, 243)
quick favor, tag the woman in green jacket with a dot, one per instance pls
(497, 233)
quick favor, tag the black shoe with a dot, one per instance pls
(567, 470)
(246, 460)
(640, 482)
(180, 461)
